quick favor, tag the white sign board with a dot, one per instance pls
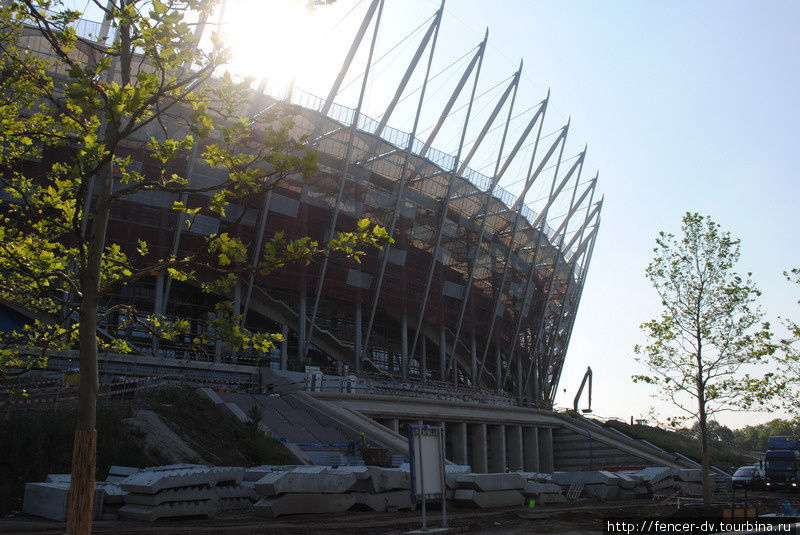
(427, 462)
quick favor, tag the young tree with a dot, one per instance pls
(72, 111)
(709, 331)
(790, 357)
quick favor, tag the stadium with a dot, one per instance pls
(463, 321)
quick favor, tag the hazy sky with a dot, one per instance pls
(685, 106)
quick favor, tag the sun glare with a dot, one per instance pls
(273, 39)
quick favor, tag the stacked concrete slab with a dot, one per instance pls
(322, 489)
(184, 490)
(653, 481)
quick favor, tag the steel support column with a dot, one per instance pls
(343, 178)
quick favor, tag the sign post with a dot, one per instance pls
(426, 450)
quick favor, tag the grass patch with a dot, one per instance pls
(723, 455)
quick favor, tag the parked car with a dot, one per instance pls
(749, 477)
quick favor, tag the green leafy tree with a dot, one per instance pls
(790, 357)
(72, 111)
(709, 332)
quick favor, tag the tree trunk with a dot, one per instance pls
(81, 494)
(705, 459)
(80, 501)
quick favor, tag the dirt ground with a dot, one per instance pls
(579, 517)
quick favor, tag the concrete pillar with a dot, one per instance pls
(458, 438)
(530, 449)
(394, 425)
(285, 347)
(478, 453)
(357, 344)
(546, 450)
(442, 354)
(473, 360)
(301, 326)
(404, 344)
(497, 449)
(514, 448)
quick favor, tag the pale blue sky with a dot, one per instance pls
(685, 105)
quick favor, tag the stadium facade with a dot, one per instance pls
(477, 294)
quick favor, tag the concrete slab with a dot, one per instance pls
(305, 482)
(234, 504)
(534, 488)
(690, 475)
(489, 500)
(49, 500)
(123, 471)
(292, 504)
(397, 500)
(112, 493)
(149, 513)
(236, 491)
(604, 492)
(227, 474)
(257, 472)
(182, 494)
(58, 478)
(151, 482)
(625, 481)
(548, 498)
(587, 478)
(386, 479)
(490, 482)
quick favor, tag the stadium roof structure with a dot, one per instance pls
(480, 290)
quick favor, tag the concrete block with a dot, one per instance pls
(49, 500)
(236, 491)
(396, 500)
(690, 475)
(227, 474)
(169, 467)
(457, 469)
(123, 471)
(604, 492)
(58, 478)
(654, 474)
(625, 481)
(182, 494)
(304, 482)
(292, 504)
(234, 504)
(489, 500)
(151, 482)
(490, 482)
(149, 513)
(257, 472)
(112, 494)
(534, 488)
(537, 476)
(386, 479)
(587, 478)
(548, 498)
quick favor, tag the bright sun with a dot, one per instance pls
(273, 39)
